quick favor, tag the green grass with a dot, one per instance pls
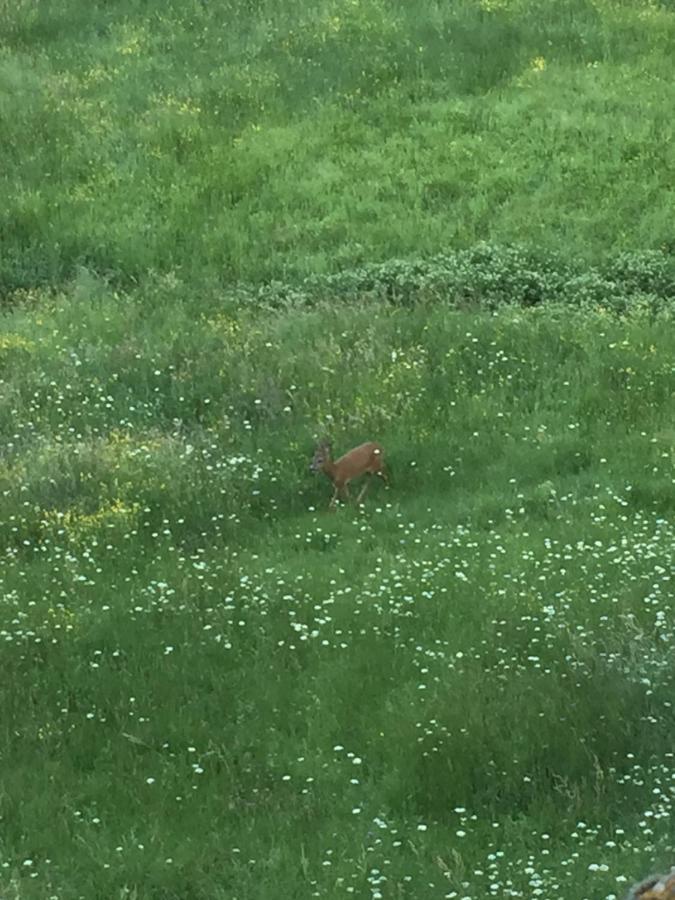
(249, 141)
(227, 230)
(189, 636)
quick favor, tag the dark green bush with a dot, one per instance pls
(488, 276)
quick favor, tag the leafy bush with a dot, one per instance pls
(488, 276)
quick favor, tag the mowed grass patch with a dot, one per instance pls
(213, 687)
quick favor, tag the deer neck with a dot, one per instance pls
(329, 468)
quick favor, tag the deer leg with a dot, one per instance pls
(366, 485)
(331, 505)
(341, 490)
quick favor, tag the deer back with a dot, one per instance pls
(364, 458)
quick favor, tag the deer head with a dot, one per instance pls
(321, 455)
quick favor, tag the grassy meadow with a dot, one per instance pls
(226, 231)
(253, 139)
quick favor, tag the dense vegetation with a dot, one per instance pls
(228, 229)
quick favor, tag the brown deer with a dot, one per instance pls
(367, 459)
(657, 887)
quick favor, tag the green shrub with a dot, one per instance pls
(488, 276)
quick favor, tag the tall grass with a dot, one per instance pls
(238, 140)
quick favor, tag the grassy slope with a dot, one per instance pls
(243, 140)
(211, 688)
(186, 639)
